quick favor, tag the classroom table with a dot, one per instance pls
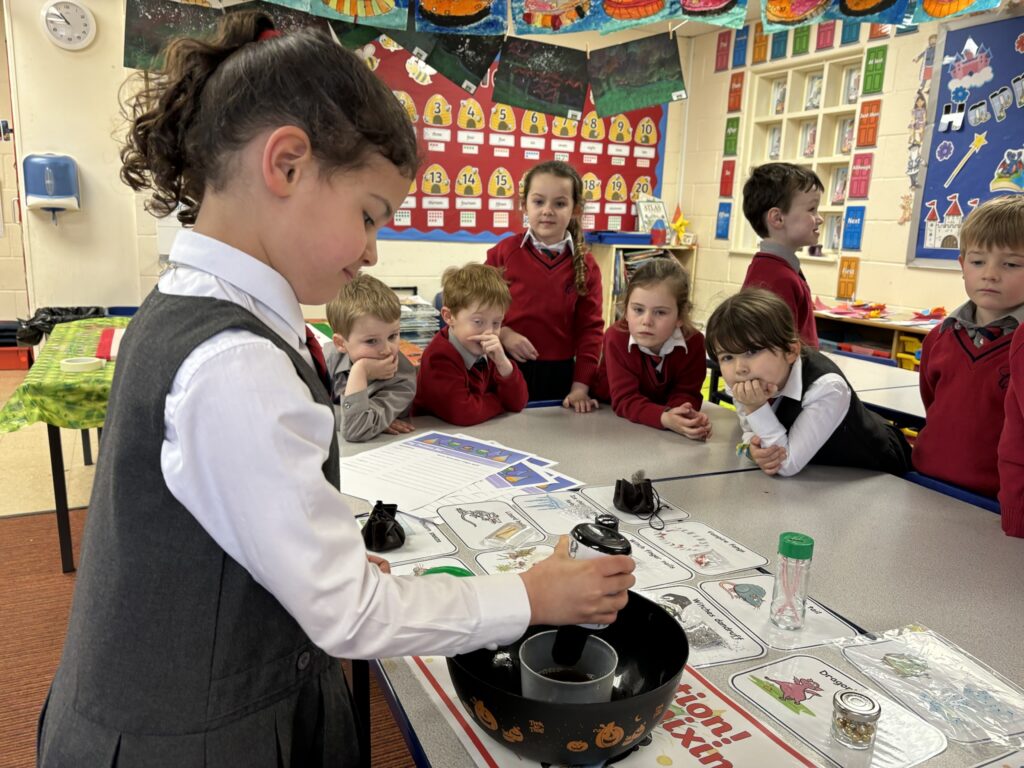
(60, 399)
(598, 447)
(888, 553)
(865, 375)
(901, 405)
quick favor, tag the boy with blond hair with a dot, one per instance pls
(965, 360)
(780, 200)
(465, 376)
(372, 381)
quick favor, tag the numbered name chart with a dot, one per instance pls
(513, 560)
(654, 567)
(715, 638)
(489, 525)
(604, 496)
(797, 694)
(417, 569)
(944, 685)
(747, 598)
(558, 513)
(703, 549)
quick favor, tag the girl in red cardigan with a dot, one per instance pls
(654, 365)
(553, 329)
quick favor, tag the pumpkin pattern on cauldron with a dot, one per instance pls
(483, 714)
(607, 735)
(512, 734)
(577, 746)
(636, 734)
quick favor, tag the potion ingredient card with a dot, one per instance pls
(418, 569)
(797, 694)
(715, 638)
(703, 549)
(747, 599)
(513, 560)
(422, 540)
(944, 685)
(558, 513)
(654, 567)
(489, 525)
(604, 495)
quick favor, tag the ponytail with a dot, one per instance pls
(579, 246)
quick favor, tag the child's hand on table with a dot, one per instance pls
(579, 399)
(567, 591)
(687, 421)
(518, 346)
(491, 345)
(399, 427)
(770, 458)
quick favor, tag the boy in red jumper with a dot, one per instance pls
(965, 360)
(465, 377)
(1011, 444)
(780, 200)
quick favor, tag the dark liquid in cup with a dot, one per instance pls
(566, 675)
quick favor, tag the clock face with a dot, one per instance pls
(68, 24)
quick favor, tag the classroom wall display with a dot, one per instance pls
(470, 17)
(735, 92)
(722, 47)
(722, 222)
(477, 150)
(739, 48)
(547, 78)
(974, 144)
(940, 10)
(654, 76)
(464, 59)
(790, 13)
(826, 37)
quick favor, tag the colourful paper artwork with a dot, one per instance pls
(655, 75)
(546, 78)
(479, 17)
(782, 14)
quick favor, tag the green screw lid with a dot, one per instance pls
(798, 546)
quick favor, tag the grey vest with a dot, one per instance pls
(174, 655)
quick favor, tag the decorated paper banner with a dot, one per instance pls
(604, 495)
(702, 548)
(419, 44)
(517, 560)
(826, 37)
(654, 567)
(464, 59)
(943, 685)
(721, 13)
(725, 183)
(489, 525)
(739, 48)
(722, 221)
(714, 637)
(464, 17)
(700, 725)
(722, 50)
(547, 78)
(942, 10)
(540, 17)
(380, 13)
(781, 15)
(735, 92)
(874, 69)
(417, 569)
(853, 227)
(558, 513)
(801, 40)
(797, 694)
(747, 599)
(654, 75)
(870, 11)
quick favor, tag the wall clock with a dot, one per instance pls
(68, 24)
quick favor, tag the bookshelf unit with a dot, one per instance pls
(608, 255)
(806, 115)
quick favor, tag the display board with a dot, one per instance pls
(477, 153)
(975, 147)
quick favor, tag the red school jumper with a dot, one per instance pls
(1011, 443)
(774, 274)
(464, 397)
(546, 308)
(638, 392)
(963, 387)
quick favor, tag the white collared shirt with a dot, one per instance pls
(823, 408)
(565, 242)
(243, 448)
(673, 341)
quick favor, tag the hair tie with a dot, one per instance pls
(268, 34)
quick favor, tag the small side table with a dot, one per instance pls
(69, 400)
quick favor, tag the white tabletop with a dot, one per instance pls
(898, 399)
(598, 448)
(865, 376)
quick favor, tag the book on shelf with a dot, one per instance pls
(628, 262)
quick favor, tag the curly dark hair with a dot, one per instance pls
(213, 96)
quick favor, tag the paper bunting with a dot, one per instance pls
(464, 17)
(464, 59)
(654, 76)
(541, 77)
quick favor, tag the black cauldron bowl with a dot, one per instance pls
(652, 651)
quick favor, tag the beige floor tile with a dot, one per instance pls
(9, 381)
(25, 460)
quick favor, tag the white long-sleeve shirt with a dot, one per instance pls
(243, 451)
(823, 408)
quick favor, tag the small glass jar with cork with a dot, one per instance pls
(854, 719)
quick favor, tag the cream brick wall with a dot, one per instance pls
(13, 280)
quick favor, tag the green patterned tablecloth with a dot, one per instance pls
(71, 400)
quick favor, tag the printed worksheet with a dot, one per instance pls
(422, 540)
(558, 513)
(714, 637)
(513, 560)
(421, 469)
(417, 569)
(703, 549)
(796, 692)
(944, 685)
(747, 599)
(489, 525)
(653, 567)
(604, 496)
(490, 490)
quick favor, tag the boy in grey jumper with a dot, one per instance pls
(373, 382)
